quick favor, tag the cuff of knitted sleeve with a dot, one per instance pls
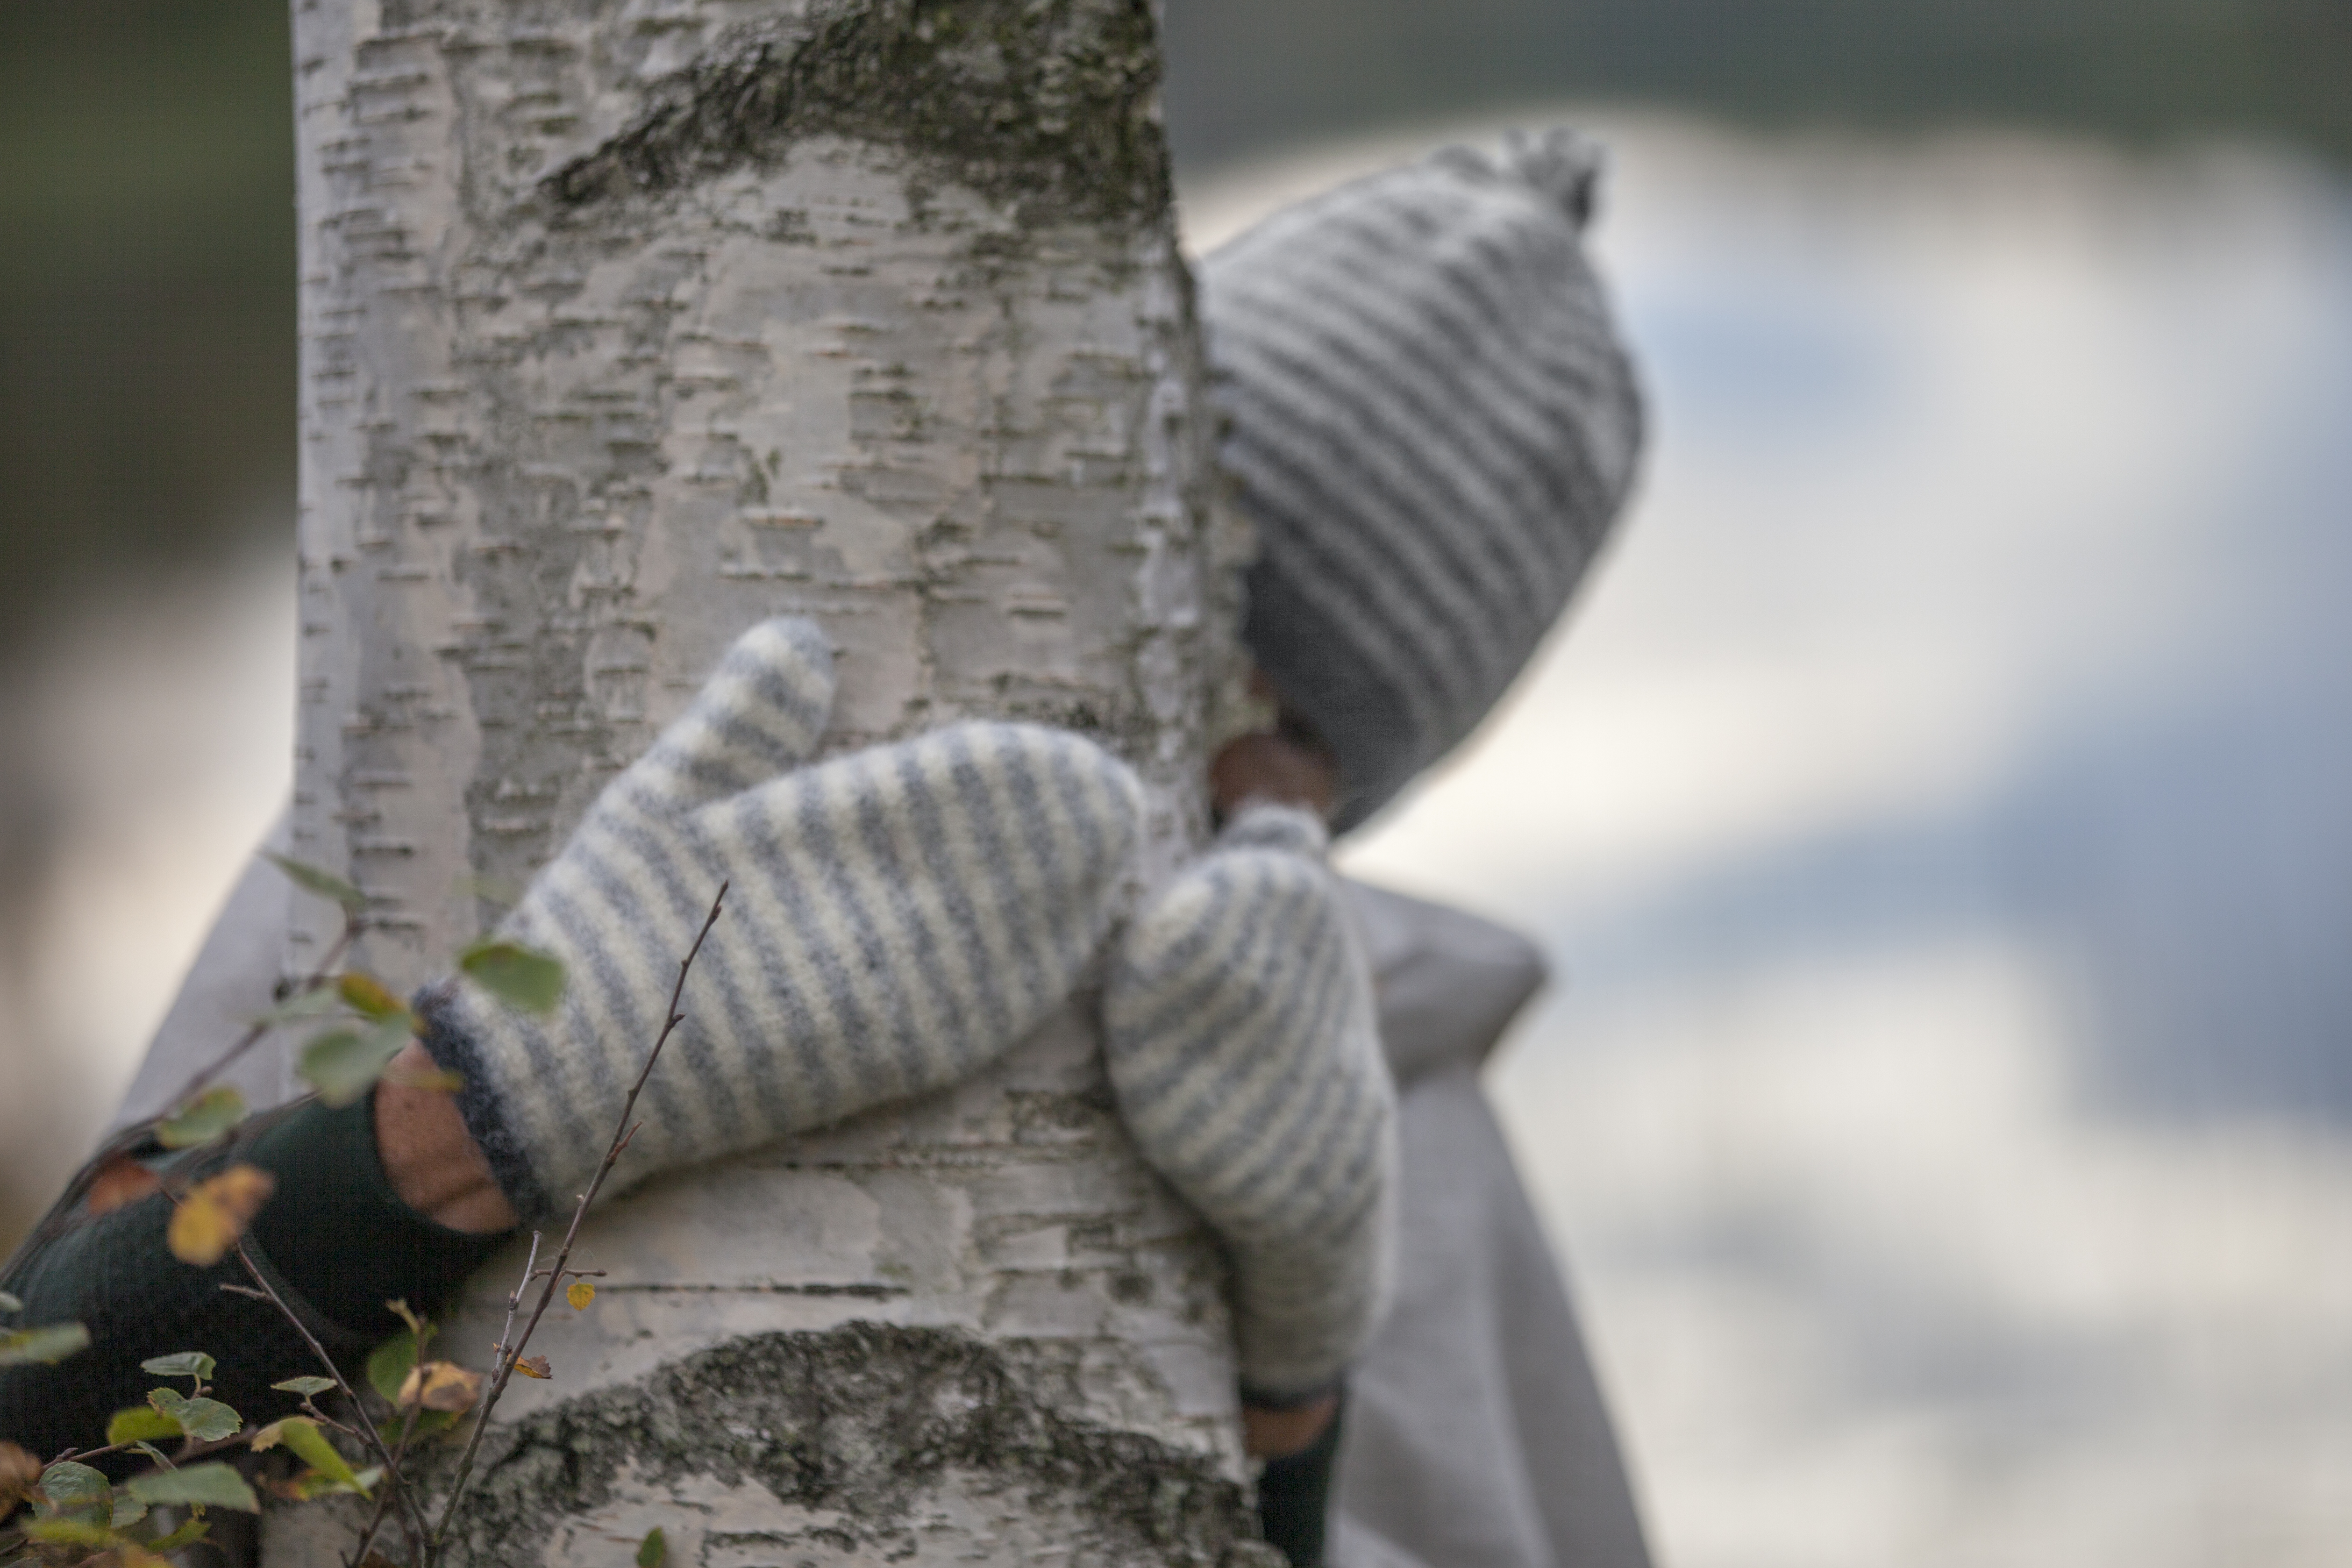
(340, 1234)
(449, 1039)
(1272, 824)
(1294, 1495)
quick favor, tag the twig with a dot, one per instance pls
(622, 1130)
(191, 1450)
(252, 1037)
(411, 1524)
(514, 1302)
(390, 1484)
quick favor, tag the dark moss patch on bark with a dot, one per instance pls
(1047, 106)
(865, 1422)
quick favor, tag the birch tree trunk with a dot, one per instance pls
(626, 324)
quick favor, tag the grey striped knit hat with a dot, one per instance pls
(1431, 424)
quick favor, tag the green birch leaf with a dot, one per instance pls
(312, 1446)
(140, 1423)
(68, 1486)
(48, 1345)
(313, 1003)
(366, 995)
(206, 1420)
(181, 1363)
(128, 1510)
(211, 1485)
(653, 1551)
(203, 1118)
(312, 879)
(71, 1532)
(343, 1064)
(309, 1387)
(209, 1421)
(389, 1364)
(429, 1424)
(515, 974)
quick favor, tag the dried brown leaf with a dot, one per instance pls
(440, 1385)
(20, 1472)
(120, 1180)
(534, 1366)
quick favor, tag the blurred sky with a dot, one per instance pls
(1934, 809)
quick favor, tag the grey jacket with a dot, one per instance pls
(1476, 1436)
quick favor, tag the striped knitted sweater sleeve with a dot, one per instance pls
(1239, 1018)
(897, 916)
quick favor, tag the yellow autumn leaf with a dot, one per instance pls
(366, 994)
(215, 1213)
(580, 1294)
(534, 1366)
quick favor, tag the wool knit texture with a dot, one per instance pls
(1432, 425)
(1239, 1021)
(896, 918)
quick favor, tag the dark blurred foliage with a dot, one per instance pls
(146, 290)
(1247, 73)
(146, 277)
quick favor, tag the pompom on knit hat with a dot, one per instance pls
(1431, 424)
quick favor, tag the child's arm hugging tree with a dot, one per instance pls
(897, 918)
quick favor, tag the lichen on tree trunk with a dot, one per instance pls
(861, 1443)
(628, 324)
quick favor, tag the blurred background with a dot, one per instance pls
(1938, 811)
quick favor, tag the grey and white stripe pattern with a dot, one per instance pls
(897, 918)
(1432, 426)
(1239, 1018)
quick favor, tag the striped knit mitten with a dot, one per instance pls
(1242, 1048)
(897, 916)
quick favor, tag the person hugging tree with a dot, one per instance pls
(1432, 426)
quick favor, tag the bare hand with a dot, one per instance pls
(1278, 1433)
(430, 1159)
(1273, 767)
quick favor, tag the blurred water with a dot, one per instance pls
(1937, 810)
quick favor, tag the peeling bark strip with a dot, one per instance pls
(1048, 110)
(629, 323)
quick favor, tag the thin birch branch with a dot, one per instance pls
(411, 1522)
(622, 1130)
(392, 1483)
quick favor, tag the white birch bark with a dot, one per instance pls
(624, 325)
